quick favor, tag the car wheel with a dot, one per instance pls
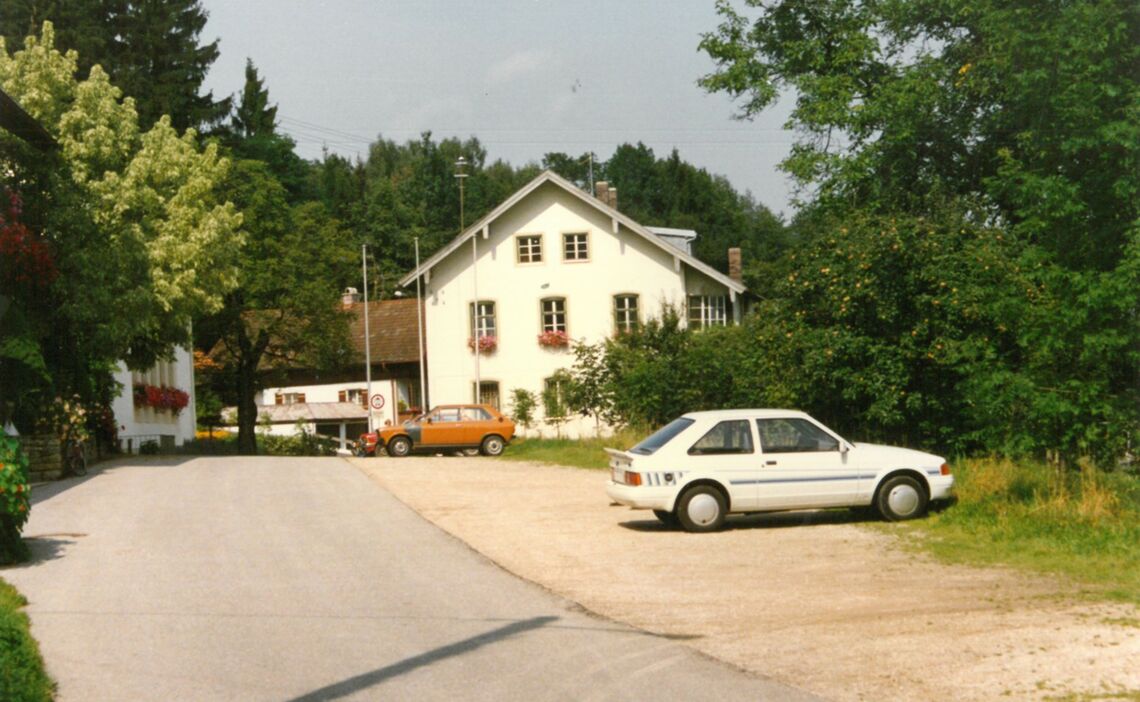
(901, 497)
(701, 508)
(467, 452)
(667, 518)
(399, 447)
(492, 445)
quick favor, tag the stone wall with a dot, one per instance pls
(44, 460)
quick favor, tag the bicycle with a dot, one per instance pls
(75, 457)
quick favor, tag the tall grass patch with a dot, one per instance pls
(579, 453)
(1083, 524)
(22, 676)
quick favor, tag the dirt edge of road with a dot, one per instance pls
(811, 600)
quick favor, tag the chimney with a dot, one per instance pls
(613, 198)
(735, 270)
(349, 297)
(602, 191)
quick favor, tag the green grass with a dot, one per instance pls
(22, 676)
(579, 453)
(1080, 524)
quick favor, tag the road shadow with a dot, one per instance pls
(44, 548)
(769, 520)
(366, 680)
(42, 492)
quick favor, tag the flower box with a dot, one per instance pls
(161, 398)
(554, 339)
(486, 344)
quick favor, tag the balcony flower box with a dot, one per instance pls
(162, 398)
(554, 339)
(486, 344)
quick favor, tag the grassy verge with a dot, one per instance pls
(579, 453)
(1084, 524)
(22, 676)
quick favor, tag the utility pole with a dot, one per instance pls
(367, 338)
(460, 164)
(420, 331)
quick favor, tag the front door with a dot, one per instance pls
(802, 466)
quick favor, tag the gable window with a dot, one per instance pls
(554, 314)
(625, 312)
(482, 319)
(529, 249)
(707, 311)
(575, 247)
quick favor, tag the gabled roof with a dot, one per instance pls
(555, 179)
(392, 328)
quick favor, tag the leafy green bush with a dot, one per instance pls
(302, 444)
(14, 504)
(22, 676)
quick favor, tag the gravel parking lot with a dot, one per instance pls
(814, 600)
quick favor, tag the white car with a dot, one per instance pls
(703, 466)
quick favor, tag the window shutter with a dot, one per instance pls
(342, 396)
(300, 397)
(278, 399)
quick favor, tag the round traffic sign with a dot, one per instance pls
(377, 402)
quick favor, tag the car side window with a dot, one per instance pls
(475, 414)
(731, 436)
(794, 435)
(450, 414)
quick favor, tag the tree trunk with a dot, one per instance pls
(249, 358)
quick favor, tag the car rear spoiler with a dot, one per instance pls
(615, 453)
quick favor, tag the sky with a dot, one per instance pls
(525, 77)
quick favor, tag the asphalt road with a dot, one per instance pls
(300, 579)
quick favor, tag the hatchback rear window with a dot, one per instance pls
(662, 436)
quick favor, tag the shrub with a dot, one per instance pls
(22, 676)
(14, 504)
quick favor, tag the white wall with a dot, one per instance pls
(386, 388)
(145, 423)
(625, 263)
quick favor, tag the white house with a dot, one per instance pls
(550, 261)
(157, 405)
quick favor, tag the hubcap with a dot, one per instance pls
(903, 500)
(493, 446)
(703, 509)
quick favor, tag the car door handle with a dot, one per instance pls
(769, 463)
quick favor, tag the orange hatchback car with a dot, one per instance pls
(445, 428)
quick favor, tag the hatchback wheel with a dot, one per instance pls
(399, 447)
(901, 498)
(702, 508)
(492, 445)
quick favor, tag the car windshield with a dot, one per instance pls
(662, 436)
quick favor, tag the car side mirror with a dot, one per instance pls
(844, 448)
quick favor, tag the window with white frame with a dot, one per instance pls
(625, 312)
(529, 248)
(575, 247)
(554, 314)
(482, 319)
(707, 311)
